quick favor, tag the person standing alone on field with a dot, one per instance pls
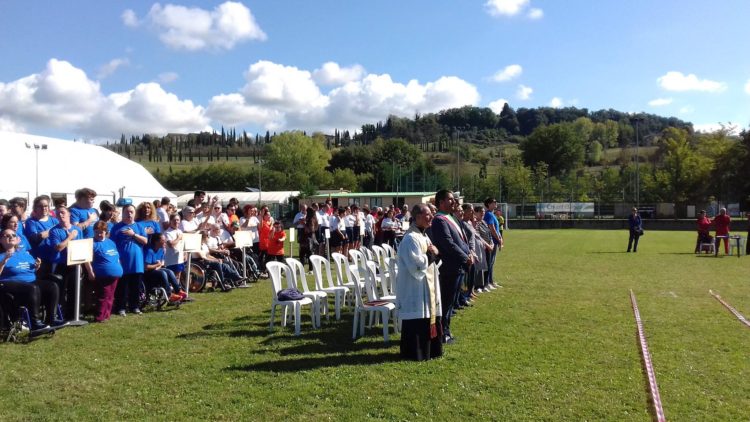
(636, 229)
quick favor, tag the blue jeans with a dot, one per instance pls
(164, 277)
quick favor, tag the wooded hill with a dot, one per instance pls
(550, 154)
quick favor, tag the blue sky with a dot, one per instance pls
(93, 69)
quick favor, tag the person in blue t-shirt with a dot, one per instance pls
(130, 238)
(18, 277)
(83, 214)
(489, 217)
(156, 273)
(104, 271)
(146, 216)
(10, 221)
(38, 226)
(55, 258)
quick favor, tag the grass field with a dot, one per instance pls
(556, 343)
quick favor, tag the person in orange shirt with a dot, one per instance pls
(276, 242)
(721, 223)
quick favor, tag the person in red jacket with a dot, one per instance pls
(704, 228)
(721, 223)
(276, 242)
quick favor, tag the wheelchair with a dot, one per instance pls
(15, 322)
(201, 277)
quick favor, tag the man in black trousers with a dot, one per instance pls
(448, 236)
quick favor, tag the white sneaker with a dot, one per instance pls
(121, 312)
(479, 290)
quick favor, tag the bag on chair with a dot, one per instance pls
(290, 294)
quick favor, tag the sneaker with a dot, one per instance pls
(183, 295)
(491, 286)
(121, 312)
(58, 322)
(479, 290)
(137, 311)
(174, 298)
(38, 325)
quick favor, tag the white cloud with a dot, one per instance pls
(747, 87)
(63, 97)
(111, 67)
(497, 105)
(677, 81)
(168, 77)
(556, 102)
(731, 128)
(508, 73)
(686, 110)
(536, 13)
(7, 125)
(333, 74)
(129, 18)
(505, 7)
(285, 97)
(524, 92)
(192, 29)
(659, 102)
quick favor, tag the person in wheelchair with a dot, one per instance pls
(18, 278)
(156, 273)
(228, 275)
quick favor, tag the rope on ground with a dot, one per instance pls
(731, 309)
(647, 362)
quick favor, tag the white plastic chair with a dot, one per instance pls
(392, 265)
(340, 266)
(379, 253)
(338, 292)
(274, 271)
(298, 279)
(389, 251)
(369, 255)
(371, 284)
(363, 307)
(358, 265)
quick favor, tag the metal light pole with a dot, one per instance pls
(637, 120)
(37, 147)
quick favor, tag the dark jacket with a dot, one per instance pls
(454, 251)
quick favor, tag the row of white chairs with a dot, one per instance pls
(367, 283)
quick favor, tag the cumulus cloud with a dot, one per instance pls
(168, 77)
(556, 102)
(129, 18)
(111, 67)
(536, 13)
(659, 102)
(677, 81)
(499, 8)
(508, 73)
(285, 97)
(686, 110)
(193, 28)
(524, 92)
(63, 97)
(333, 74)
(497, 105)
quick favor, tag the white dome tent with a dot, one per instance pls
(34, 165)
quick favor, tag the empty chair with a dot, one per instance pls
(363, 307)
(358, 265)
(392, 264)
(321, 269)
(298, 279)
(379, 254)
(369, 255)
(371, 285)
(274, 271)
(389, 251)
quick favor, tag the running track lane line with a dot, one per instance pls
(729, 307)
(653, 388)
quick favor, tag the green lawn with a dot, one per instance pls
(558, 342)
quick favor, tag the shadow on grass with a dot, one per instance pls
(301, 364)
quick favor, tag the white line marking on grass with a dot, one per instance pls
(729, 307)
(673, 294)
(647, 362)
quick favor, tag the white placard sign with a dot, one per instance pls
(361, 229)
(243, 239)
(405, 225)
(192, 242)
(80, 251)
(328, 233)
(292, 234)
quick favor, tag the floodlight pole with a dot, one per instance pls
(637, 120)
